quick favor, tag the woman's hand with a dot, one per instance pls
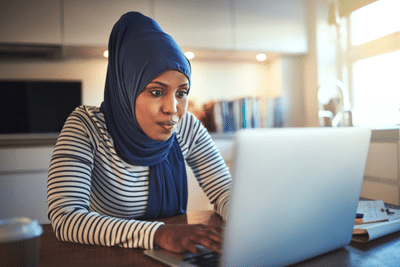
(180, 238)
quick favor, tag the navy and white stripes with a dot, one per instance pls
(94, 197)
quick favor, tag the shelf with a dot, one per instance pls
(28, 140)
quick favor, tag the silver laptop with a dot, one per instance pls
(295, 195)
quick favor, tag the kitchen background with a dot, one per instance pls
(65, 40)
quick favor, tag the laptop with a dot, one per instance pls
(294, 196)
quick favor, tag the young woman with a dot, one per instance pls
(117, 167)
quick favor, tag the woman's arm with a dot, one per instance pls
(206, 162)
(69, 193)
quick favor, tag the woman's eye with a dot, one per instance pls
(182, 94)
(156, 92)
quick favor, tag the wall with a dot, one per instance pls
(321, 60)
(293, 90)
(211, 80)
(227, 80)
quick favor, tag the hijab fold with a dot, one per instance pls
(139, 51)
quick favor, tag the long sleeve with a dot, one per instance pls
(94, 197)
(83, 207)
(206, 162)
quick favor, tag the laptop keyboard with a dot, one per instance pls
(208, 259)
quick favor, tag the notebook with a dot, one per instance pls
(294, 196)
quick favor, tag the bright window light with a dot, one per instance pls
(377, 90)
(375, 20)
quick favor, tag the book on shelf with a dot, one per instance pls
(236, 114)
(247, 112)
(217, 115)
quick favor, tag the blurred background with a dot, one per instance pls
(256, 63)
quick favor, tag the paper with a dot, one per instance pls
(373, 211)
(369, 231)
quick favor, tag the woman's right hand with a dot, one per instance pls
(181, 238)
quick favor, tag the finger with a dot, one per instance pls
(217, 229)
(207, 239)
(209, 244)
(211, 232)
(189, 245)
(207, 236)
(216, 237)
(220, 229)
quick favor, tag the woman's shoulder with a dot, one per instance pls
(89, 117)
(88, 113)
(86, 109)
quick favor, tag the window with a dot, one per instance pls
(376, 86)
(375, 20)
(374, 61)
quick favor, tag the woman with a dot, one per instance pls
(118, 166)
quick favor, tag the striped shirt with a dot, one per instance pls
(94, 197)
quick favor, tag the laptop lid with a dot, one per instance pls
(294, 196)
(295, 193)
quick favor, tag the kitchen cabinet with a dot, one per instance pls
(271, 25)
(23, 182)
(89, 22)
(262, 25)
(192, 23)
(32, 22)
(196, 24)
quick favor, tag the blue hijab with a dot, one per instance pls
(139, 51)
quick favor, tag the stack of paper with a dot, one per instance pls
(372, 212)
(377, 221)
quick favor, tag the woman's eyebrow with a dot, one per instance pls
(183, 85)
(166, 85)
(159, 83)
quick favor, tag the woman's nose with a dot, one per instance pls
(170, 105)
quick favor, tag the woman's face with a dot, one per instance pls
(161, 105)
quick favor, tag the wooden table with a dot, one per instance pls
(384, 251)
(54, 252)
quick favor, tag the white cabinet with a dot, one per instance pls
(25, 159)
(266, 25)
(89, 22)
(34, 22)
(271, 25)
(262, 25)
(196, 24)
(23, 182)
(24, 195)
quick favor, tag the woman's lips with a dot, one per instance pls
(168, 125)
